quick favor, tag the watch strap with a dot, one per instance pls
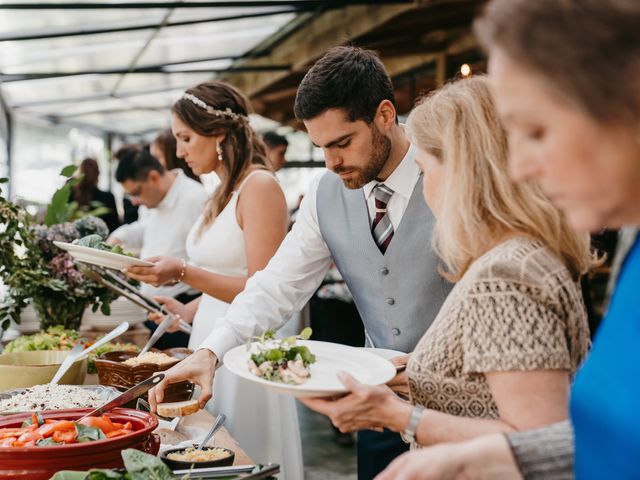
(409, 434)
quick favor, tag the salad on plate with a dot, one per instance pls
(280, 360)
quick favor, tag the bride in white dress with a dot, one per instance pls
(236, 235)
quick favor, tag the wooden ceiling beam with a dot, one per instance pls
(307, 44)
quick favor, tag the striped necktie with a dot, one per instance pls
(382, 228)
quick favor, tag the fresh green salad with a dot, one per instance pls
(281, 360)
(95, 241)
(54, 338)
(59, 338)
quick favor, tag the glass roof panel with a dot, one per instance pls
(21, 22)
(57, 88)
(133, 122)
(87, 98)
(211, 40)
(153, 82)
(107, 50)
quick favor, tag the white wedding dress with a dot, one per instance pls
(264, 423)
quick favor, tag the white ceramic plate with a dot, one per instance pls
(384, 352)
(330, 358)
(100, 257)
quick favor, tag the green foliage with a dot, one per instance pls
(36, 271)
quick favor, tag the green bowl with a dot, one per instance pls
(26, 369)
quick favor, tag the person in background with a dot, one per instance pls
(366, 214)
(131, 213)
(276, 149)
(174, 202)
(164, 148)
(500, 355)
(89, 196)
(571, 105)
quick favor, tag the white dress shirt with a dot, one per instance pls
(298, 267)
(164, 229)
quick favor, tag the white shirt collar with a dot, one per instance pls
(402, 180)
(171, 197)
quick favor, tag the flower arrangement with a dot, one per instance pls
(36, 271)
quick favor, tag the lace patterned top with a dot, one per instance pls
(516, 308)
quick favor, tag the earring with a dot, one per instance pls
(219, 150)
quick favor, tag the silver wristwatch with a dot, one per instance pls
(409, 434)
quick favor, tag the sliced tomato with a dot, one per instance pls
(48, 429)
(103, 423)
(30, 436)
(8, 442)
(65, 436)
(117, 433)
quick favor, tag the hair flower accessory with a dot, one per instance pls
(226, 113)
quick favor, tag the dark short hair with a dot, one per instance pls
(135, 164)
(348, 78)
(272, 139)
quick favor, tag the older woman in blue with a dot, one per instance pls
(565, 78)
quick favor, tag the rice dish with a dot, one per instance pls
(204, 455)
(154, 358)
(50, 397)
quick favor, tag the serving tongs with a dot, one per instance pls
(242, 471)
(116, 284)
(131, 394)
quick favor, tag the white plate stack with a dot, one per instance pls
(29, 322)
(121, 310)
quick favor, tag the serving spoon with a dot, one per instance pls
(217, 425)
(78, 352)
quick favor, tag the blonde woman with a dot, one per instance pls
(501, 352)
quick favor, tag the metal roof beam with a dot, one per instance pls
(11, 37)
(96, 96)
(187, 4)
(24, 77)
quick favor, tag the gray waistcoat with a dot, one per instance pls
(398, 294)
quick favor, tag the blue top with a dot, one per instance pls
(605, 399)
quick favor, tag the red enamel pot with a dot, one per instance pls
(40, 463)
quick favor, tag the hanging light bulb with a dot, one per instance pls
(465, 70)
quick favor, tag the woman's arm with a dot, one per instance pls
(524, 399)
(262, 215)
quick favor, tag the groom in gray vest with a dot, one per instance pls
(366, 213)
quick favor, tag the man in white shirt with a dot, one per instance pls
(367, 214)
(174, 201)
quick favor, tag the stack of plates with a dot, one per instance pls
(121, 310)
(29, 322)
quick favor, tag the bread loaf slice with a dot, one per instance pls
(178, 409)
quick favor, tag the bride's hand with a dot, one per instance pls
(172, 305)
(164, 270)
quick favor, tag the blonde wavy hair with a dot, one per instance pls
(479, 203)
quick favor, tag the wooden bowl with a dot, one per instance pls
(114, 373)
(26, 369)
(40, 463)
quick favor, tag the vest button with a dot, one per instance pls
(390, 301)
(384, 271)
(395, 331)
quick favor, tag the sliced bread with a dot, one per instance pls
(178, 409)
